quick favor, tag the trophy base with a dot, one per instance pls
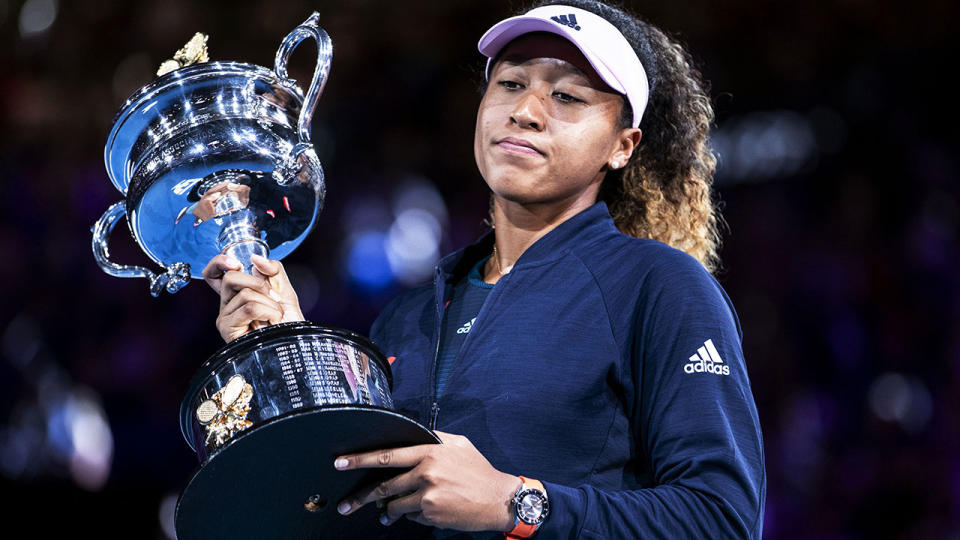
(277, 480)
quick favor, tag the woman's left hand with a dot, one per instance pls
(450, 486)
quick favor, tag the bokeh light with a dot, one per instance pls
(400, 245)
(901, 399)
(37, 16)
(367, 262)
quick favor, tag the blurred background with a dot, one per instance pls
(838, 178)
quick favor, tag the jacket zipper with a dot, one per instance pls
(441, 300)
(434, 411)
(435, 407)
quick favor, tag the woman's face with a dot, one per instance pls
(548, 126)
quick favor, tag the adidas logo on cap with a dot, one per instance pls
(707, 360)
(567, 20)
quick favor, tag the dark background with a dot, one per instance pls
(838, 178)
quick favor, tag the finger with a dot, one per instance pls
(447, 438)
(391, 457)
(396, 509)
(238, 317)
(252, 303)
(217, 267)
(243, 321)
(233, 283)
(417, 517)
(267, 267)
(454, 440)
(402, 484)
(276, 276)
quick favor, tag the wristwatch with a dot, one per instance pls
(531, 507)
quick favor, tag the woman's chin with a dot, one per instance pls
(519, 194)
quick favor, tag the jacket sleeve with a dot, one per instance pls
(695, 426)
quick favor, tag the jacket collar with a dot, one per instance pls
(589, 223)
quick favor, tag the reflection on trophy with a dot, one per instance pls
(215, 157)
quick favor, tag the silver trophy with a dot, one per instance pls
(215, 157)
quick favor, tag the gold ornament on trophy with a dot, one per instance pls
(194, 52)
(225, 413)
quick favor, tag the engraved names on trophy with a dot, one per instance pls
(291, 363)
(326, 371)
(329, 373)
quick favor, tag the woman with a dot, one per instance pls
(606, 369)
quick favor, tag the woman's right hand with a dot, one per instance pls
(249, 301)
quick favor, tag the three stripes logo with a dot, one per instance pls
(567, 20)
(707, 360)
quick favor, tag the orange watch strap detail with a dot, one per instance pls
(522, 530)
(525, 530)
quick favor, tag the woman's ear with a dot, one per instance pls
(626, 143)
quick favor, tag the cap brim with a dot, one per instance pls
(507, 30)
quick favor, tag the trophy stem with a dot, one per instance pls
(244, 250)
(239, 238)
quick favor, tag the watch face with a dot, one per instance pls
(532, 507)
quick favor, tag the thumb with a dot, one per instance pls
(275, 274)
(266, 267)
(451, 438)
(281, 289)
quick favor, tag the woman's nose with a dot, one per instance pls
(529, 112)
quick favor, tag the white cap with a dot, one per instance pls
(601, 43)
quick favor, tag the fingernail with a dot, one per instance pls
(262, 258)
(274, 295)
(384, 520)
(341, 463)
(234, 263)
(343, 507)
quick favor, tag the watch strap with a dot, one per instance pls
(521, 529)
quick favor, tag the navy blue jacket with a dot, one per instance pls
(606, 366)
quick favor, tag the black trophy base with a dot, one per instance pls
(277, 479)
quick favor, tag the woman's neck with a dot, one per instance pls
(519, 226)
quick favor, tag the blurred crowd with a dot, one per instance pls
(838, 180)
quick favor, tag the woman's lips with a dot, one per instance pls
(519, 146)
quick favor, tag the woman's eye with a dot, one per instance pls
(566, 98)
(510, 85)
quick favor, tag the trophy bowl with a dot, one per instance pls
(207, 147)
(216, 158)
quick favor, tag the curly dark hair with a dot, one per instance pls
(664, 191)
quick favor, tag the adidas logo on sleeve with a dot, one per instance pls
(707, 360)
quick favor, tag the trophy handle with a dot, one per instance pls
(308, 29)
(173, 279)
